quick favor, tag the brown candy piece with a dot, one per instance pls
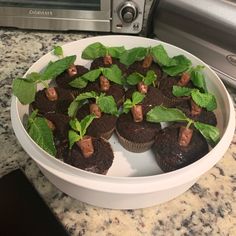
(147, 61)
(94, 109)
(104, 83)
(137, 113)
(142, 88)
(185, 136)
(195, 109)
(86, 146)
(185, 78)
(51, 94)
(107, 60)
(72, 70)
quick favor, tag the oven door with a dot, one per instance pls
(92, 15)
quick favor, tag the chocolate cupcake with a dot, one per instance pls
(198, 114)
(154, 97)
(101, 62)
(135, 136)
(170, 155)
(53, 99)
(102, 126)
(139, 67)
(115, 90)
(166, 85)
(69, 75)
(99, 162)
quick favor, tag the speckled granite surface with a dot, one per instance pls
(208, 208)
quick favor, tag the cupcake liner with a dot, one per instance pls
(132, 146)
(107, 134)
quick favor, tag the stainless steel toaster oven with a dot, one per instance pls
(118, 16)
(206, 28)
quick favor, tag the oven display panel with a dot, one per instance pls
(88, 5)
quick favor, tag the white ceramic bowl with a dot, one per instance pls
(134, 180)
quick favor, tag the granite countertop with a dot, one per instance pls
(208, 208)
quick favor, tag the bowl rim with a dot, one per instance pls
(127, 184)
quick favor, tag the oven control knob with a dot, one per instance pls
(128, 12)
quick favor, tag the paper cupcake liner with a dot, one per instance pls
(132, 146)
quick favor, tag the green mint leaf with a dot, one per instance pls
(78, 83)
(74, 107)
(58, 51)
(134, 78)
(86, 95)
(132, 55)
(24, 90)
(33, 77)
(137, 98)
(206, 100)
(127, 106)
(113, 74)
(94, 51)
(73, 138)
(75, 125)
(163, 114)
(211, 133)
(115, 52)
(82, 81)
(181, 64)
(42, 134)
(150, 77)
(31, 118)
(180, 91)
(56, 68)
(161, 57)
(107, 105)
(85, 123)
(198, 78)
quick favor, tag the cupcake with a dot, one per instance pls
(52, 99)
(103, 56)
(182, 143)
(63, 80)
(171, 154)
(134, 133)
(104, 124)
(86, 152)
(166, 86)
(145, 84)
(103, 107)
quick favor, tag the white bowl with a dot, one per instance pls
(134, 180)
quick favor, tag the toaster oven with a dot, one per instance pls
(205, 28)
(118, 16)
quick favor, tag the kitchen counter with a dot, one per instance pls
(208, 208)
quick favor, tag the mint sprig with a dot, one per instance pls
(137, 98)
(107, 104)
(171, 65)
(181, 64)
(161, 57)
(79, 128)
(162, 114)
(25, 88)
(112, 73)
(58, 51)
(205, 100)
(136, 78)
(97, 50)
(134, 54)
(39, 131)
(198, 77)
